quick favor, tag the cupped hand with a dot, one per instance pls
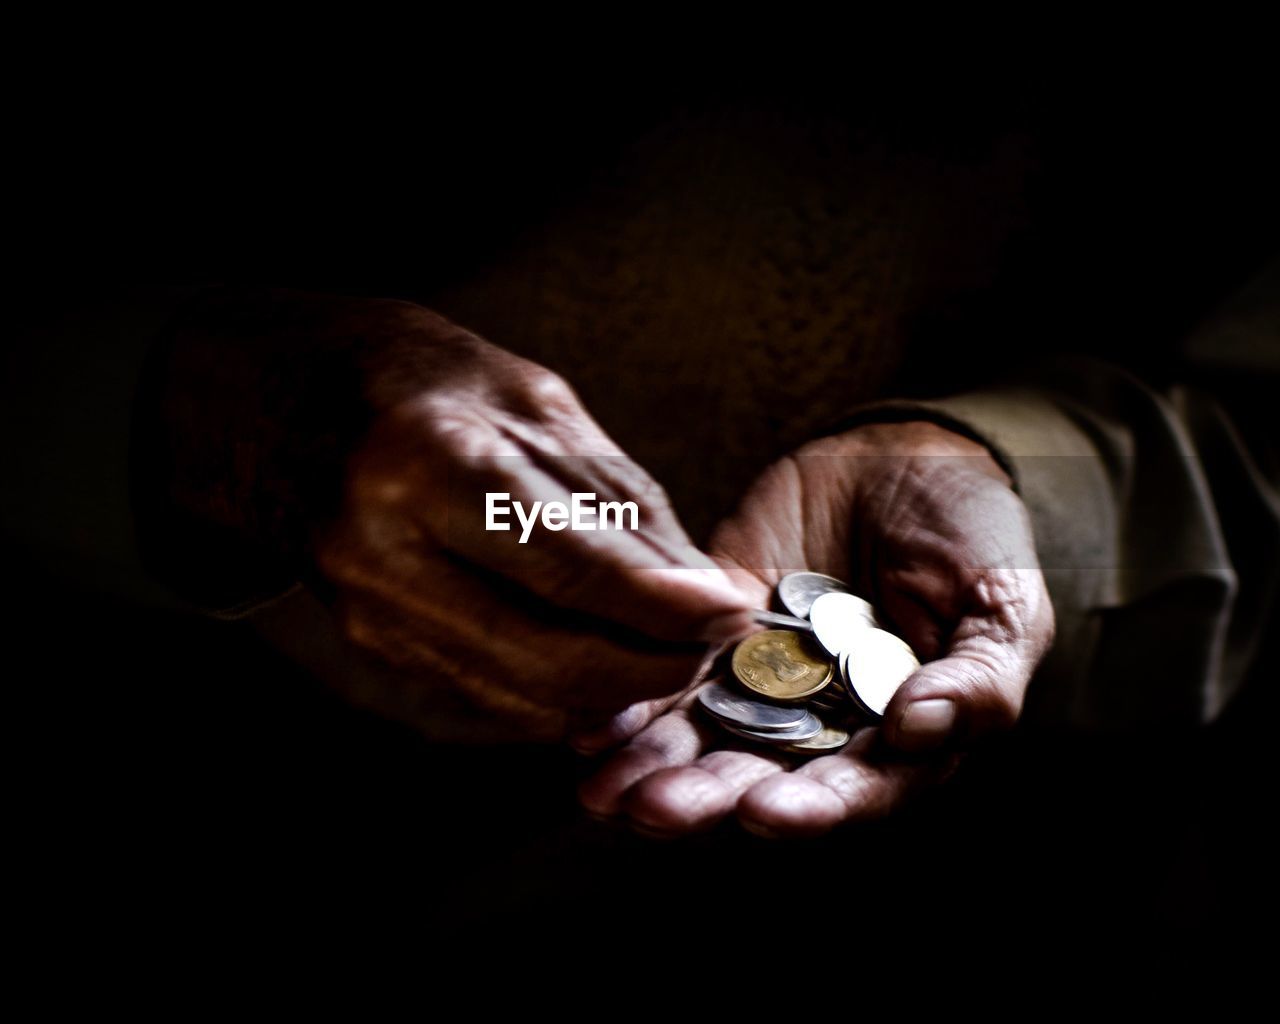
(925, 524)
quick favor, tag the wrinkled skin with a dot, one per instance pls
(539, 637)
(924, 523)
(586, 634)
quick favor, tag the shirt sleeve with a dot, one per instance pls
(1156, 513)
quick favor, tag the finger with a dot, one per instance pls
(427, 473)
(640, 570)
(420, 664)
(620, 727)
(853, 785)
(695, 797)
(795, 517)
(599, 736)
(756, 588)
(979, 685)
(672, 739)
(976, 689)
(303, 628)
(436, 611)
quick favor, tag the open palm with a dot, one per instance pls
(924, 523)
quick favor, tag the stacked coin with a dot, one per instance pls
(803, 688)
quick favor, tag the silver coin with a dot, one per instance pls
(806, 730)
(838, 621)
(746, 713)
(875, 667)
(797, 591)
(842, 673)
(775, 621)
(831, 739)
(854, 699)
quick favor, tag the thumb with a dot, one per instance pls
(977, 688)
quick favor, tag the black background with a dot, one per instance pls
(186, 794)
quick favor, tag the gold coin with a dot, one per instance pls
(781, 664)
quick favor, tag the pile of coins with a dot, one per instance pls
(804, 686)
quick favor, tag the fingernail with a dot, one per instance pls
(926, 724)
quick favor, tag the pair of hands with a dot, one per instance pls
(602, 637)
(597, 637)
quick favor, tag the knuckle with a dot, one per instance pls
(356, 629)
(451, 430)
(549, 388)
(541, 393)
(453, 427)
(427, 425)
(483, 450)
